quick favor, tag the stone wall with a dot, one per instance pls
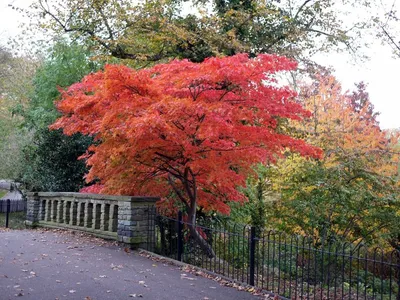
(123, 218)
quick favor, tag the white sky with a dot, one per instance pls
(381, 72)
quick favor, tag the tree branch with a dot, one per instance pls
(177, 191)
(392, 41)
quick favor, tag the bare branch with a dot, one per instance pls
(392, 41)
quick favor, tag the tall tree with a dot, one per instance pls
(352, 193)
(195, 128)
(157, 30)
(15, 84)
(50, 160)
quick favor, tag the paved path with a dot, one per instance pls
(6, 185)
(49, 265)
(13, 195)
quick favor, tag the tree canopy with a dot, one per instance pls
(351, 193)
(156, 30)
(195, 127)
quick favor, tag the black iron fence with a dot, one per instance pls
(292, 267)
(8, 206)
(15, 205)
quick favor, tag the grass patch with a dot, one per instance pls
(16, 220)
(3, 193)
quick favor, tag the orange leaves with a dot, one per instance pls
(344, 126)
(216, 118)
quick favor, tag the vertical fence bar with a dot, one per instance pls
(279, 262)
(398, 273)
(180, 236)
(252, 253)
(8, 211)
(382, 273)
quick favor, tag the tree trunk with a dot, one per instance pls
(190, 202)
(204, 245)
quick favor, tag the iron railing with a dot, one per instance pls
(8, 206)
(293, 267)
(15, 205)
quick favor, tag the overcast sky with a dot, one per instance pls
(381, 72)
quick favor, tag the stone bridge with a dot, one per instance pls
(121, 218)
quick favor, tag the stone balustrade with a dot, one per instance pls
(123, 218)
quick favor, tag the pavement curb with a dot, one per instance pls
(214, 275)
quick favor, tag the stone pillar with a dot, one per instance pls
(32, 211)
(135, 224)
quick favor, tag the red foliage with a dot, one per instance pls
(92, 189)
(201, 125)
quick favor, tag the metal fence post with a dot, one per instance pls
(398, 275)
(8, 211)
(252, 254)
(180, 236)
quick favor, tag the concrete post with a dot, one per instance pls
(134, 221)
(32, 212)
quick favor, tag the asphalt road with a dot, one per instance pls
(49, 265)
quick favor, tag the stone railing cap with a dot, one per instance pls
(95, 196)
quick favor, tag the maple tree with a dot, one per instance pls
(195, 127)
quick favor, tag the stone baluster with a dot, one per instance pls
(96, 215)
(113, 222)
(54, 210)
(60, 211)
(105, 216)
(79, 217)
(47, 210)
(73, 211)
(88, 215)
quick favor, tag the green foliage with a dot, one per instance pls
(66, 64)
(16, 220)
(260, 196)
(51, 160)
(156, 30)
(339, 203)
(15, 76)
